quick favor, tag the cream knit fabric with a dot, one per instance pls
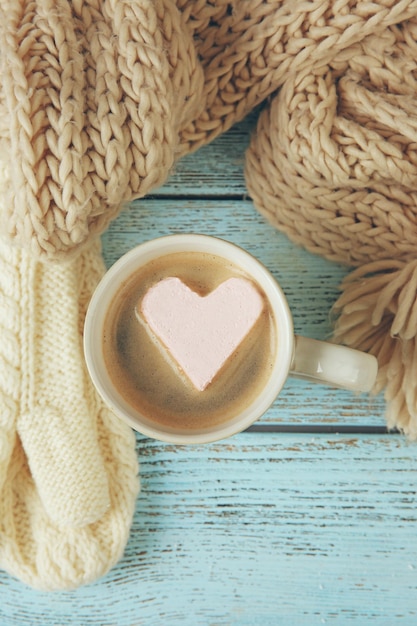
(68, 468)
(98, 98)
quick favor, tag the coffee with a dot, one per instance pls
(147, 380)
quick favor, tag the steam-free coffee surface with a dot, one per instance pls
(144, 374)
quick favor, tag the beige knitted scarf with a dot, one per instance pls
(98, 99)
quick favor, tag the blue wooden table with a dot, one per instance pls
(310, 517)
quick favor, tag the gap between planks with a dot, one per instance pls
(325, 429)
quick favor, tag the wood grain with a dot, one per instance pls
(259, 530)
(214, 170)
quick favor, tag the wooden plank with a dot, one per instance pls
(310, 283)
(258, 530)
(215, 169)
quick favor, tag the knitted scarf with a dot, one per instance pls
(98, 99)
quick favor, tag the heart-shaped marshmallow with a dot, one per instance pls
(201, 332)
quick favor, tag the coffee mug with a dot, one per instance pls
(131, 365)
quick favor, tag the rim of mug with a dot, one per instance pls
(110, 284)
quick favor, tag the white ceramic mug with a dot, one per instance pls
(317, 360)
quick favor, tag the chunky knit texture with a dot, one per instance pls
(334, 165)
(98, 99)
(68, 469)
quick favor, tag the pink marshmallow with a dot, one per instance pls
(201, 333)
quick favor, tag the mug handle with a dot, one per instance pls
(333, 364)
